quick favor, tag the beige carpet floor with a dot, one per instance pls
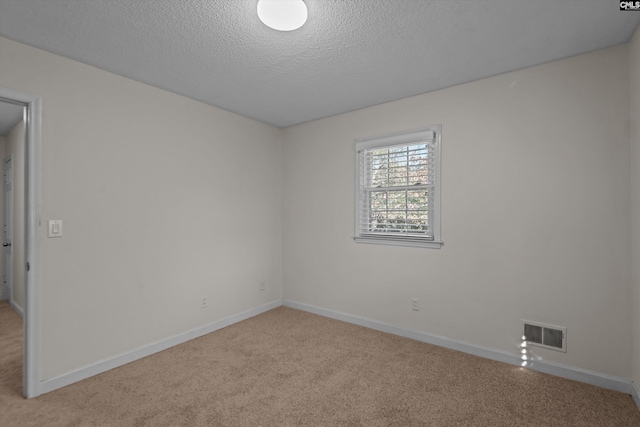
(290, 368)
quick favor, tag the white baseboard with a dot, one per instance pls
(113, 362)
(636, 394)
(564, 371)
(17, 308)
(556, 369)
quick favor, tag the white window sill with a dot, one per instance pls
(399, 242)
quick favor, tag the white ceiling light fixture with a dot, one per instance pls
(282, 15)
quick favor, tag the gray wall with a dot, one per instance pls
(165, 201)
(535, 213)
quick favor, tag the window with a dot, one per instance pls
(398, 189)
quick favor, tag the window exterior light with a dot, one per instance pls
(282, 15)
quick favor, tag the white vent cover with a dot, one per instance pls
(546, 336)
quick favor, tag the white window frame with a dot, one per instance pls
(401, 138)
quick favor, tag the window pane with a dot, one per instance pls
(398, 166)
(417, 210)
(399, 211)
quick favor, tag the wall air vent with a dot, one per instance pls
(546, 336)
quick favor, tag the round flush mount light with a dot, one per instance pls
(282, 15)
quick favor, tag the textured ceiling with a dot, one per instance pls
(349, 55)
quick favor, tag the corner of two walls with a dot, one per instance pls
(165, 201)
(634, 77)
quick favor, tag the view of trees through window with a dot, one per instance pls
(398, 188)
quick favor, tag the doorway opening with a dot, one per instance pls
(23, 283)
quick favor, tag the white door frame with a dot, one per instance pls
(7, 229)
(33, 104)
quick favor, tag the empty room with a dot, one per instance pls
(320, 212)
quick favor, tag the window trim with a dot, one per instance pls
(401, 138)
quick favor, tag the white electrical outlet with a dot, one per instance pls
(263, 285)
(203, 303)
(415, 304)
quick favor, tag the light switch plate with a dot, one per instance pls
(55, 228)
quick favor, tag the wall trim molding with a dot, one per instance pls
(547, 367)
(17, 308)
(122, 359)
